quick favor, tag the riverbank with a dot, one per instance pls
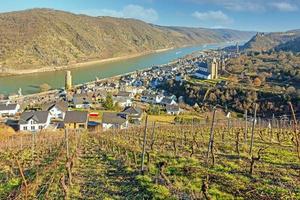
(29, 83)
(78, 65)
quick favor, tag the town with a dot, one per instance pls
(117, 102)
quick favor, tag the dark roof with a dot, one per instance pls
(203, 73)
(38, 116)
(123, 94)
(172, 108)
(114, 118)
(61, 105)
(76, 117)
(166, 101)
(149, 96)
(202, 64)
(81, 99)
(8, 106)
(132, 110)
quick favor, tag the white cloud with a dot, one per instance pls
(138, 12)
(216, 17)
(235, 5)
(252, 5)
(129, 11)
(284, 6)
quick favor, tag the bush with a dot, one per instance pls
(45, 87)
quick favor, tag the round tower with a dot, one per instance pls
(68, 80)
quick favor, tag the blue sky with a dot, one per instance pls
(257, 15)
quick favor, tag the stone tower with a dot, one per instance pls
(213, 69)
(68, 81)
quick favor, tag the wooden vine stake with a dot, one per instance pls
(23, 177)
(210, 148)
(153, 136)
(67, 143)
(246, 126)
(144, 145)
(296, 136)
(252, 131)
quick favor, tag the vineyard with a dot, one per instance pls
(213, 160)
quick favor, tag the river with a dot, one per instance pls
(30, 82)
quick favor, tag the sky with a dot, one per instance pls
(254, 15)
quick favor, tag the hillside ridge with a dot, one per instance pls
(36, 38)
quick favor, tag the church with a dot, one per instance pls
(207, 70)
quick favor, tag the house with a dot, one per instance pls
(76, 120)
(9, 109)
(81, 101)
(114, 120)
(57, 110)
(34, 121)
(152, 98)
(125, 94)
(134, 114)
(122, 101)
(173, 109)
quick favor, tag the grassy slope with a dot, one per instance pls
(104, 166)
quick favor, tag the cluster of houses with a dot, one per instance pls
(143, 86)
(58, 115)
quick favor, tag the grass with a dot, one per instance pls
(161, 118)
(105, 167)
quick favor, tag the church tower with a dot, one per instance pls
(213, 69)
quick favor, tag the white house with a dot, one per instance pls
(123, 101)
(9, 109)
(114, 120)
(135, 114)
(151, 98)
(57, 110)
(81, 101)
(34, 121)
(173, 109)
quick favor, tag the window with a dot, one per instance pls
(41, 127)
(81, 126)
(25, 128)
(32, 127)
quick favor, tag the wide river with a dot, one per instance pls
(30, 82)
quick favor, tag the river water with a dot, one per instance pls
(30, 82)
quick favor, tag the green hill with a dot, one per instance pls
(42, 37)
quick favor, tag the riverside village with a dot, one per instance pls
(115, 103)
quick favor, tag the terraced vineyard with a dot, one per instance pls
(157, 161)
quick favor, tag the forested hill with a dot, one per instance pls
(293, 45)
(44, 37)
(276, 40)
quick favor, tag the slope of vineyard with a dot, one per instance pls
(177, 163)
